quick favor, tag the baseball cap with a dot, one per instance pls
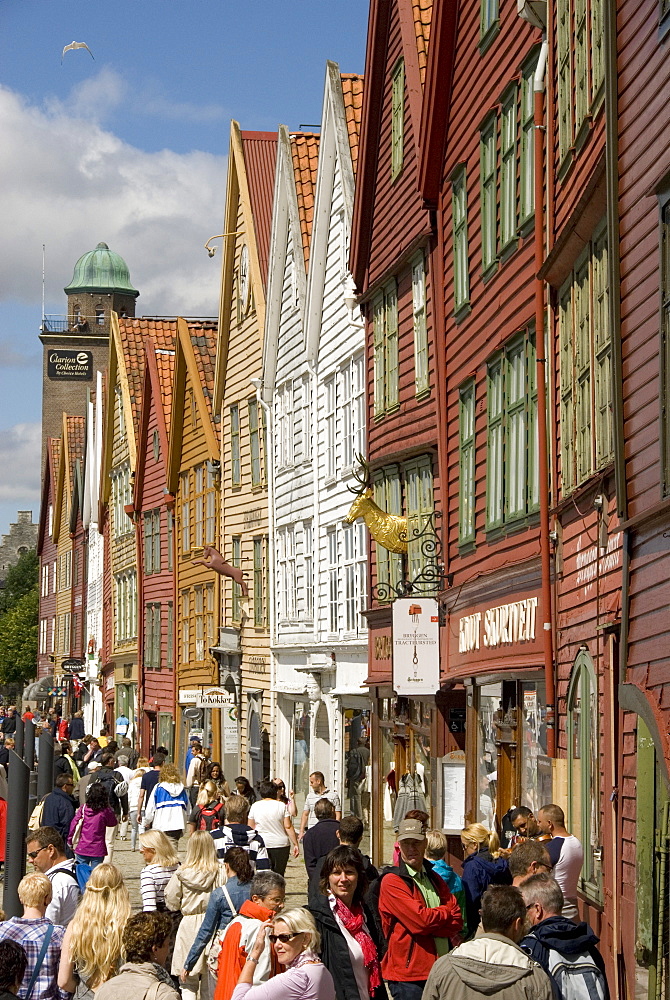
(410, 829)
(94, 764)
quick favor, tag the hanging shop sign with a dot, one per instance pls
(70, 365)
(214, 698)
(416, 646)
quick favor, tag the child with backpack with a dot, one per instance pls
(209, 812)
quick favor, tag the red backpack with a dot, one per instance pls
(210, 818)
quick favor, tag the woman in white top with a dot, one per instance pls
(133, 798)
(274, 824)
(160, 855)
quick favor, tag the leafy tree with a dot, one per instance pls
(18, 639)
(20, 580)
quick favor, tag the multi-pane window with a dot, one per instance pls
(512, 483)
(488, 17)
(198, 506)
(120, 412)
(488, 204)
(564, 53)
(385, 339)
(65, 570)
(126, 605)
(121, 496)
(210, 507)
(330, 417)
(308, 567)
(466, 450)
(581, 66)
(235, 457)
(583, 721)
(333, 582)
(45, 580)
(199, 622)
(508, 115)
(397, 118)
(185, 512)
(303, 428)
(44, 627)
(354, 571)
(260, 577)
(63, 638)
(169, 638)
(152, 541)
(285, 440)
(170, 539)
(185, 626)
(527, 156)
(352, 381)
(236, 560)
(419, 505)
(388, 495)
(665, 344)
(459, 213)
(152, 636)
(587, 441)
(51, 520)
(53, 635)
(287, 572)
(420, 325)
(255, 443)
(209, 614)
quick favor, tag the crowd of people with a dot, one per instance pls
(214, 923)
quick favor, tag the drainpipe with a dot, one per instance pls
(543, 457)
(268, 445)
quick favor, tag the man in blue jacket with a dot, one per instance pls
(60, 806)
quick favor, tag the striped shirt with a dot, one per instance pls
(153, 879)
(241, 835)
(30, 935)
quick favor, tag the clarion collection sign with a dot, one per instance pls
(71, 365)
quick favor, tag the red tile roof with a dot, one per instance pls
(165, 366)
(76, 428)
(305, 154)
(423, 12)
(352, 93)
(134, 333)
(260, 157)
(53, 444)
(203, 339)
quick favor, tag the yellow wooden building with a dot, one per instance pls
(244, 647)
(193, 478)
(67, 634)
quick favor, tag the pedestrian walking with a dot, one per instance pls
(92, 945)
(296, 943)
(350, 834)
(196, 772)
(148, 783)
(65, 763)
(209, 812)
(13, 964)
(215, 773)
(423, 818)
(81, 788)
(77, 731)
(134, 787)
(9, 721)
(566, 853)
(288, 800)
(492, 964)
(188, 892)
(321, 838)
(567, 951)
(419, 915)
(46, 849)
(237, 833)
(224, 904)
(436, 849)
(147, 938)
(268, 891)
(529, 858)
(60, 806)
(87, 831)
(168, 804)
(482, 867)
(38, 936)
(161, 862)
(244, 788)
(318, 790)
(131, 753)
(275, 826)
(350, 946)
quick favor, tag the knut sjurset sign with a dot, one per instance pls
(71, 365)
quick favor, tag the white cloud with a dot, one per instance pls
(67, 182)
(20, 448)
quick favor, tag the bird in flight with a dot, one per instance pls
(76, 45)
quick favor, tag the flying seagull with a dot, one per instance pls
(76, 45)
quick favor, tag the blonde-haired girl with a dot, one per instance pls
(189, 890)
(160, 855)
(209, 811)
(481, 868)
(168, 803)
(92, 950)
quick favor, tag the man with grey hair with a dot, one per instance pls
(566, 950)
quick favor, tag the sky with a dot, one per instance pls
(128, 146)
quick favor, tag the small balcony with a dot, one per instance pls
(54, 323)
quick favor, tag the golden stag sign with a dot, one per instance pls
(390, 530)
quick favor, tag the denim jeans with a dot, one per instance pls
(88, 860)
(407, 991)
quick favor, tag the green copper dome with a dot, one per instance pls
(101, 270)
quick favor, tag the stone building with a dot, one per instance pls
(22, 537)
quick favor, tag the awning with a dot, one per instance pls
(38, 690)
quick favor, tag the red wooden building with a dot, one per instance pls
(47, 551)
(154, 510)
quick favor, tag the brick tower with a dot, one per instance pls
(77, 345)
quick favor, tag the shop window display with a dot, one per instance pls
(536, 780)
(301, 752)
(490, 701)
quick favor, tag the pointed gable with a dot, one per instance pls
(156, 396)
(352, 97)
(49, 487)
(260, 157)
(422, 11)
(195, 353)
(305, 155)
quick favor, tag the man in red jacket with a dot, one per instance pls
(418, 913)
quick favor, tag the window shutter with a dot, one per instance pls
(527, 169)
(602, 354)
(581, 64)
(466, 531)
(420, 328)
(567, 392)
(391, 347)
(564, 79)
(515, 458)
(508, 170)
(397, 119)
(460, 237)
(494, 456)
(583, 372)
(379, 356)
(487, 157)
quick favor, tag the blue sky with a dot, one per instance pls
(130, 147)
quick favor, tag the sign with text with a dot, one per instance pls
(231, 737)
(214, 698)
(416, 646)
(71, 365)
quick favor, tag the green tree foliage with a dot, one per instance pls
(20, 580)
(19, 613)
(18, 639)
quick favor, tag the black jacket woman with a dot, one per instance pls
(350, 947)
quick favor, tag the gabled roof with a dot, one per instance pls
(249, 188)
(72, 447)
(437, 98)
(414, 17)
(159, 363)
(352, 96)
(49, 483)
(305, 154)
(195, 353)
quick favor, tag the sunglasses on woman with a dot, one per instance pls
(284, 938)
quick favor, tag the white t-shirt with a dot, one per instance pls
(66, 893)
(311, 800)
(355, 953)
(569, 865)
(268, 815)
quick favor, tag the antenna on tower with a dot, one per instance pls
(43, 253)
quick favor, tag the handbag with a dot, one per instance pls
(40, 959)
(76, 836)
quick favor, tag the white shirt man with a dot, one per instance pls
(317, 791)
(566, 853)
(46, 850)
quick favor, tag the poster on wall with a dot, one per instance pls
(416, 646)
(231, 738)
(453, 792)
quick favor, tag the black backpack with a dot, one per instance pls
(115, 785)
(372, 900)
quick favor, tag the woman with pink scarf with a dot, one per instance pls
(295, 941)
(350, 947)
